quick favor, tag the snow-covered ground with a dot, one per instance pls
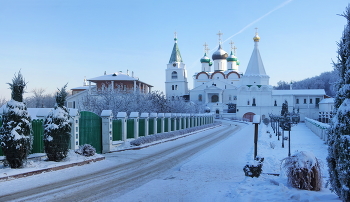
(213, 174)
(217, 174)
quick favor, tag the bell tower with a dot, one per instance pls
(176, 84)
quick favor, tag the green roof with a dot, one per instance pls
(175, 55)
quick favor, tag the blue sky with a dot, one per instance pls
(59, 42)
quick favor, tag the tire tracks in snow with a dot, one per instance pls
(122, 178)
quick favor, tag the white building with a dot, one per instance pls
(117, 80)
(230, 93)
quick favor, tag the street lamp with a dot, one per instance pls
(294, 118)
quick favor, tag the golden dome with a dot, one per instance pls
(256, 37)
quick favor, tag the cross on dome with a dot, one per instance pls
(234, 49)
(206, 47)
(175, 36)
(231, 43)
(219, 34)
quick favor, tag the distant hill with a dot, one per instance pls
(324, 81)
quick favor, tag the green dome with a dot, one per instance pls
(231, 58)
(210, 63)
(237, 62)
(205, 59)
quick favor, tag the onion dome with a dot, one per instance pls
(205, 59)
(256, 37)
(237, 62)
(219, 54)
(210, 63)
(231, 58)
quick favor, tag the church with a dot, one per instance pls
(229, 93)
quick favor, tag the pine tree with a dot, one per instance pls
(339, 138)
(16, 133)
(57, 129)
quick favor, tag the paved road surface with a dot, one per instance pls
(131, 170)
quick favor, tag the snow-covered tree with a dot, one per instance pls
(339, 138)
(57, 129)
(120, 100)
(40, 99)
(16, 132)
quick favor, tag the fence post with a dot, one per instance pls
(173, 118)
(123, 116)
(161, 117)
(168, 121)
(74, 119)
(145, 116)
(153, 116)
(135, 116)
(107, 130)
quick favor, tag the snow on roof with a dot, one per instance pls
(299, 92)
(327, 101)
(118, 76)
(106, 113)
(82, 87)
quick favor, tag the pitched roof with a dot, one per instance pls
(175, 54)
(255, 66)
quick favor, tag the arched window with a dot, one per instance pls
(214, 98)
(172, 87)
(175, 87)
(254, 104)
(248, 103)
(200, 97)
(275, 104)
(174, 75)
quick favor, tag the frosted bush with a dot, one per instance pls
(254, 168)
(86, 150)
(303, 171)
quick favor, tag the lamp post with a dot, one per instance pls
(294, 119)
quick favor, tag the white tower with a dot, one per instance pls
(219, 57)
(255, 73)
(205, 60)
(176, 84)
(232, 59)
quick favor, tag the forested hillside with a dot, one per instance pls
(323, 81)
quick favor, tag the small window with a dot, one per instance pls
(217, 77)
(275, 104)
(310, 101)
(230, 98)
(254, 104)
(297, 101)
(304, 101)
(174, 75)
(175, 87)
(200, 97)
(248, 103)
(234, 97)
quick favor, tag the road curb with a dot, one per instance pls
(37, 172)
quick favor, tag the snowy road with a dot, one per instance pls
(119, 174)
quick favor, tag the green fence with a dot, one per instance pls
(166, 124)
(151, 127)
(142, 126)
(90, 126)
(38, 134)
(117, 130)
(159, 125)
(130, 128)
